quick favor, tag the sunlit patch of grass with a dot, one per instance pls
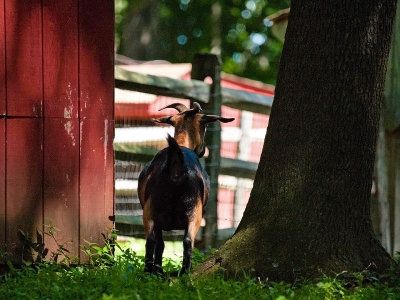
(173, 250)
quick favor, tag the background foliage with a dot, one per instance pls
(174, 30)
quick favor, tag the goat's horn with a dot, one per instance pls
(197, 107)
(191, 112)
(178, 106)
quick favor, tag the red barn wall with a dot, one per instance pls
(56, 121)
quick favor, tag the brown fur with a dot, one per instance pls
(148, 222)
(195, 222)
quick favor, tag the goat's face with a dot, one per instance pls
(190, 126)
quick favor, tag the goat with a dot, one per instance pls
(173, 188)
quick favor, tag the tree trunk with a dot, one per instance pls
(309, 210)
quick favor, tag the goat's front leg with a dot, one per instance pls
(159, 250)
(190, 235)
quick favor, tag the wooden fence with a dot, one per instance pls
(211, 96)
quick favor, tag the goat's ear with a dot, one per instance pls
(212, 118)
(166, 120)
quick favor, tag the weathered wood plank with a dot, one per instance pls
(24, 57)
(191, 89)
(142, 157)
(133, 149)
(61, 182)
(2, 184)
(159, 85)
(96, 59)
(238, 168)
(60, 63)
(247, 101)
(24, 180)
(96, 83)
(96, 188)
(129, 219)
(3, 104)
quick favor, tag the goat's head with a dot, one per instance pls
(190, 125)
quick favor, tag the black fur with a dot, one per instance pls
(175, 183)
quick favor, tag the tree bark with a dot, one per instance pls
(309, 210)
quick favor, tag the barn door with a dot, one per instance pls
(56, 122)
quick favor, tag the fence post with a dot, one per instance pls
(203, 66)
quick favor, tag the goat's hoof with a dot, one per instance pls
(149, 268)
(182, 272)
(158, 270)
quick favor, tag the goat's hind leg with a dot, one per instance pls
(154, 251)
(150, 248)
(159, 250)
(187, 254)
(148, 224)
(190, 235)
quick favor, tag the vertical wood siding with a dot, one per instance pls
(2, 61)
(2, 129)
(56, 121)
(96, 83)
(61, 111)
(24, 57)
(24, 181)
(2, 185)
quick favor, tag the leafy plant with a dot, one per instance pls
(103, 255)
(61, 251)
(36, 252)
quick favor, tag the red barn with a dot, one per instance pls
(56, 121)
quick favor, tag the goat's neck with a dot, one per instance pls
(183, 139)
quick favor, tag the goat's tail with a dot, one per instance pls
(175, 162)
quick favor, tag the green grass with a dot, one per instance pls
(173, 250)
(122, 277)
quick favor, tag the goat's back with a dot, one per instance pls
(174, 181)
